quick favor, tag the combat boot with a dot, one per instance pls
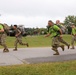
(62, 46)
(27, 45)
(68, 46)
(5, 50)
(73, 47)
(57, 53)
(14, 49)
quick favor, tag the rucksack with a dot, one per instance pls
(62, 28)
(6, 27)
(22, 32)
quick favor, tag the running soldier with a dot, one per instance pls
(2, 38)
(73, 36)
(18, 36)
(53, 31)
(60, 39)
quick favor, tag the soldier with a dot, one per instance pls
(73, 36)
(53, 32)
(60, 39)
(2, 38)
(18, 36)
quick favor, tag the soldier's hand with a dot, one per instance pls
(16, 35)
(60, 36)
(45, 36)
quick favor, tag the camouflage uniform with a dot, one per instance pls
(73, 37)
(56, 39)
(2, 40)
(63, 31)
(72, 42)
(19, 39)
(62, 41)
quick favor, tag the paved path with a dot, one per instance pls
(35, 55)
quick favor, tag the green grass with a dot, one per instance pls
(62, 68)
(35, 41)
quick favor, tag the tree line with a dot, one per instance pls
(69, 20)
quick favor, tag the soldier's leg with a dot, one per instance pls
(15, 44)
(72, 42)
(21, 43)
(54, 48)
(55, 45)
(3, 43)
(62, 41)
(62, 46)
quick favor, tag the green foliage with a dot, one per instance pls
(69, 20)
(36, 31)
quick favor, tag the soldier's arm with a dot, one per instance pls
(47, 35)
(60, 31)
(18, 33)
(2, 30)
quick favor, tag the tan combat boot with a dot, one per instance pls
(73, 47)
(57, 53)
(68, 46)
(14, 49)
(62, 46)
(5, 50)
(27, 45)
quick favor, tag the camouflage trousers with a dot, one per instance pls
(73, 40)
(2, 40)
(19, 40)
(56, 42)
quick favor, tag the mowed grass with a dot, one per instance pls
(55, 68)
(35, 41)
(62, 68)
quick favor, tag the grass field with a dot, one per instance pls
(57, 68)
(62, 68)
(35, 41)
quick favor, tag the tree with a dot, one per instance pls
(70, 20)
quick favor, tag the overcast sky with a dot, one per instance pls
(35, 13)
